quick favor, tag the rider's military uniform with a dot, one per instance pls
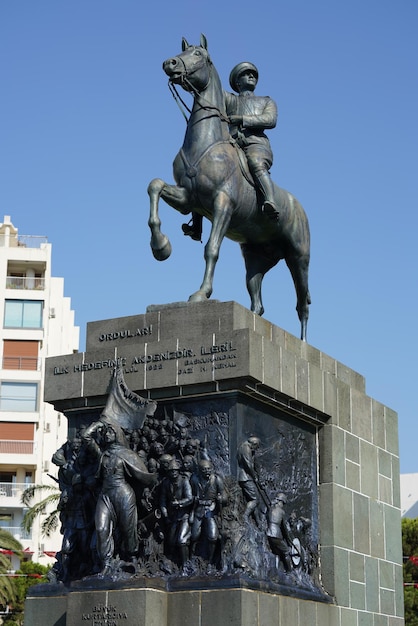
(258, 113)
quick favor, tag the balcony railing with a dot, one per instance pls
(8, 446)
(12, 490)
(31, 241)
(24, 241)
(32, 363)
(25, 282)
(18, 532)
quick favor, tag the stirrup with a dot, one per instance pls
(190, 231)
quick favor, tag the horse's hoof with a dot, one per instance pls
(198, 296)
(163, 253)
(161, 249)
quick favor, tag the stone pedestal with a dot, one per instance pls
(238, 375)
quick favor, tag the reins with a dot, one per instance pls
(178, 99)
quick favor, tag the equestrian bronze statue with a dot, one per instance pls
(214, 181)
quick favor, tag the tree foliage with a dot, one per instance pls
(8, 590)
(48, 501)
(410, 570)
(14, 586)
(29, 574)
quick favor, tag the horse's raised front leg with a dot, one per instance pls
(222, 211)
(174, 196)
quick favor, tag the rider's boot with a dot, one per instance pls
(194, 228)
(270, 207)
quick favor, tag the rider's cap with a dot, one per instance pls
(238, 70)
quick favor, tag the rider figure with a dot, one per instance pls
(249, 115)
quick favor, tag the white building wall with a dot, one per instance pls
(409, 495)
(58, 335)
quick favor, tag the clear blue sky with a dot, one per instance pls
(87, 121)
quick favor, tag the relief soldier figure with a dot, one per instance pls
(175, 503)
(76, 509)
(248, 478)
(278, 531)
(209, 498)
(116, 510)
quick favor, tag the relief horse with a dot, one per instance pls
(212, 181)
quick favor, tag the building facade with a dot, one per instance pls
(37, 322)
(409, 495)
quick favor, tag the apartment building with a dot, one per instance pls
(409, 495)
(37, 322)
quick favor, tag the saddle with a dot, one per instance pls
(243, 163)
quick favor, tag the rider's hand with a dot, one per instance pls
(235, 119)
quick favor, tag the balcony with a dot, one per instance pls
(11, 494)
(31, 241)
(28, 363)
(14, 240)
(18, 532)
(9, 446)
(25, 282)
(19, 452)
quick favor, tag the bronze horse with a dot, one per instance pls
(211, 181)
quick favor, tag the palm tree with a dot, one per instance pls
(8, 545)
(50, 523)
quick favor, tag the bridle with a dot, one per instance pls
(188, 86)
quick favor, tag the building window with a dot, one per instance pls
(18, 396)
(16, 438)
(23, 313)
(6, 520)
(20, 355)
(7, 477)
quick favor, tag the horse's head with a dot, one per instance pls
(191, 68)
